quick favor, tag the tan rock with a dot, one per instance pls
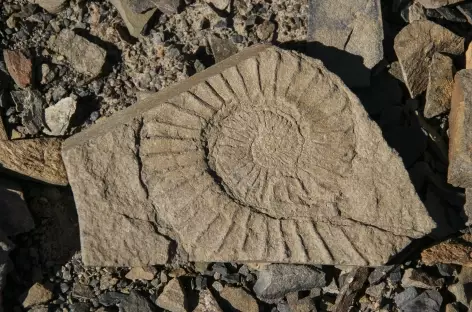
(135, 22)
(19, 67)
(37, 294)
(52, 6)
(453, 251)
(139, 273)
(172, 297)
(267, 129)
(207, 303)
(239, 299)
(415, 46)
(460, 131)
(468, 57)
(440, 84)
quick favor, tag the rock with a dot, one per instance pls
(419, 279)
(415, 46)
(222, 48)
(153, 143)
(47, 75)
(239, 300)
(468, 57)
(80, 307)
(16, 217)
(139, 273)
(107, 281)
(405, 296)
(58, 116)
(173, 297)
(136, 303)
(111, 298)
(460, 160)
(82, 291)
(277, 280)
(430, 301)
(220, 4)
(451, 307)
(265, 31)
(207, 303)
(434, 4)
(30, 105)
(135, 22)
(380, 273)
(353, 283)
(37, 294)
(351, 26)
(166, 6)
(300, 305)
(453, 251)
(52, 6)
(19, 66)
(461, 293)
(84, 56)
(376, 291)
(440, 83)
(396, 71)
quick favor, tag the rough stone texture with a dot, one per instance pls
(468, 57)
(15, 216)
(19, 67)
(166, 6)
(277, 280)
(352, 284)
(207, 303)
(135, 22)
(37, 294)
(135, 303)
(222, 48)
(415, 46)
(434, 4)
(84, 56)
(440, 84)
(57, 117)
(239, 299)
(460, 131)
(278, 162)
(52, 6)
(172, 297)
(430, 301)
(351, 26)
(139, 273)
(30, 105)
(454, 251)
(419, 279)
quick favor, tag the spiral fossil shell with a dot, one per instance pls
(265, 157)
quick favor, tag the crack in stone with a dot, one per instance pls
(137, 138)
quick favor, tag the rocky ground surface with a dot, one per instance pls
(45, 94)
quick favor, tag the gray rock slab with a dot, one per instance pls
(277, 280)
(415, 46)
(84, 56)
(440, 84)
(16, 217)
(351, 26)
(135, 22)
(265, 157)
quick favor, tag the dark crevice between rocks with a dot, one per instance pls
(137, 141)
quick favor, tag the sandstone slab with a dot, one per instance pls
(415, 46)
(19, 66)
(440, 84)
(135, 22)
(84, 56)
(460, 131)
(266, 157)
(16, 217)
(352, 26)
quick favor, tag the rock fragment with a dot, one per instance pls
(207, 303)
(139, 273)
(52, 6)
(452, 251)
(419, 279)
(460, 130)
(172, 297)
(16, 217)
(351, 26)
(239, 300)
(468, 57)
(84, 56)
(415, 46)
(19, 66)
(291, 220)
(434, 4)
(352, 284)
(220, 4)
(30, 105)
(277, 280)
(440, 84)
(430, 300)
(141, 6)
(135, 22)
(222, 48)
(57, 117)
(136, 303)
(37, 294)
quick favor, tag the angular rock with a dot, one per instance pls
(82, 291)
(130, 172)
(351, 26)
(353, 283)
(30, 105)
(16, 217)
(440, 84)
(277, 280)
(419, 279)
(376, 291)
(207, 303)
(415, 46)
(58, 116)
(52, 6)
(460, 130)
(239, 300)
(379, 273)
(84, 56)
(300, 305)
(222, 48)
(434, 4)
(136, 303)
(37, 294)
(453, 251)
(172, 297)
(135, 22)
(166, 6)
(139, 273)
(220, 4)
(19, 66)
(430, 301)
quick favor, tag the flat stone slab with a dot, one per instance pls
(440, 84)
(266, 157)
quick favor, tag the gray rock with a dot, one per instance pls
(351, 26)
(82, 291)
(353, 283)
(277, 280)
(52, 6)
(135, 303)
(16, 217)
(84, 56)
(135, 22)
(166, 6)
(440, 84)
(434, 4)
(111, 298)
(222, 48)
(429, 301)
(376, 291)
(58, 116)
(80, 307)
(380, 273)
(419, 279)
(173, 297)
(415, 46)
(30, 106)
(405, 296)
